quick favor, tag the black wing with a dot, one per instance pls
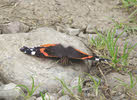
(75, 53)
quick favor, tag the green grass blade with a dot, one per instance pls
(27, 89)
(65, 86)
(131, 80)
(32, 88)
(42, 95)
(122, 82)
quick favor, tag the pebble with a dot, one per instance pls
(72, 31)
(10, 92)
(65, 97)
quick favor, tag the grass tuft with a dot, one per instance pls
(96, 84)
(65, 87)
(44, 96)
(132, 82)
(109, 42)
(31, 91)
(129, 3)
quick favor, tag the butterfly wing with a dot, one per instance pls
(52, 50)
(73, 53)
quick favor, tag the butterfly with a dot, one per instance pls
(65, 54)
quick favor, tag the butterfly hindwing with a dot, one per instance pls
(76, 54)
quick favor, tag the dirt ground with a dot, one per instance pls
(72, 13)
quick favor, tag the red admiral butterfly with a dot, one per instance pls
(59, 51)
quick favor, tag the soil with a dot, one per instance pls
(75, 13)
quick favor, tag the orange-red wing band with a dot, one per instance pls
(81, 52)
(45, 54)
(47, 45)
(87, 57)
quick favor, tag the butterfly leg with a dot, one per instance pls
(64, 60)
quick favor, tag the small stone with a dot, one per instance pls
(10, 92)
(32, 98)
(65, 97)
(72, 31)
(82, 35)
(122, 96)
(13, 27)
(89, 28)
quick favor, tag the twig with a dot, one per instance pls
(106, 83)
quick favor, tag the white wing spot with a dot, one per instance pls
(33, 53)
(97, 59)
(31, 49)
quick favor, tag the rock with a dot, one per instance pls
(10, 92)
(65, 97)
(82, 35)
(113, 81)
(32, 98)
(89, 28)
(0, 31)
(13, 27)
(1, 82)
(18, 67)
(72, 31)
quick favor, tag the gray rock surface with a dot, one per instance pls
(13, 27)
(65, 97)
(32, 98)
(82, 35)
(72, 31)
(90, 28)
(10, 92)
(18, 67)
